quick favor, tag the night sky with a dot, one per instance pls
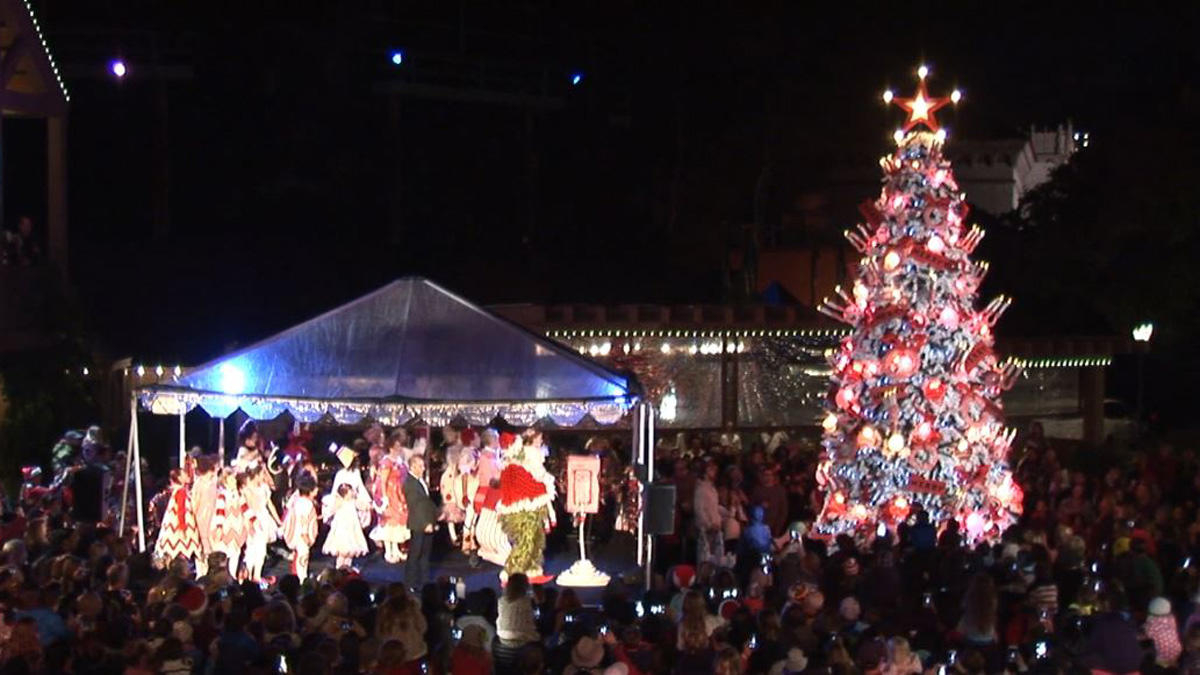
(253, 170)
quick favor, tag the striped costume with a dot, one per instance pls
(178, 536)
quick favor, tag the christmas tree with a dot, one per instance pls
(914, 414)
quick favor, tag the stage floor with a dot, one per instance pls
(616, 558)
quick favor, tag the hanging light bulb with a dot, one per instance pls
(895, 443)
(868, 437)
(830, 423)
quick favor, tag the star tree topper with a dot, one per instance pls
(921, 108)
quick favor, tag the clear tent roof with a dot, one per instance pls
(411, 348)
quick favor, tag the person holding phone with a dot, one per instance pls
(422, 518)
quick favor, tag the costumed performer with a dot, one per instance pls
(392, 528)
(300, 522)
(229, 520)
(526, 507)
(262, 521)
(347, 508)
(345, 540)
(462, 492)
(454, 484)
(249, 451)
(204, 505)
(178, 537)
(490, 540)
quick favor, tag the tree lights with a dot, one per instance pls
(915, 417)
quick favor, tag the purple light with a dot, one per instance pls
(118, 68)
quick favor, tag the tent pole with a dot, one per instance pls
(221, 439)
(182, 438)
(128, 466)
(137, 467)
(649, 479)
(640, 457)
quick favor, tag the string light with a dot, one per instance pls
(62, 86)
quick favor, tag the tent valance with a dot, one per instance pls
(173, 401)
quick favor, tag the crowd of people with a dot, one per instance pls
(1098, 576)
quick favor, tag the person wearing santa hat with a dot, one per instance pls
(467, 487)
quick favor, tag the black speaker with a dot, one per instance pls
(660, 508)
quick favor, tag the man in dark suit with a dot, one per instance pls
(422, 517)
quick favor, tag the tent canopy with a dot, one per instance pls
(409, 349)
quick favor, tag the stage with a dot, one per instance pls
(615, 558)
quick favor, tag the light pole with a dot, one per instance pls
(1141, 334)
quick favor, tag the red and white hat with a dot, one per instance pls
(683, 576)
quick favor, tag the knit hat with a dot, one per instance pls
(192, 599)
(728, 608)
(1160, 606)
(588, 653)
(683, 575)
(346, 456)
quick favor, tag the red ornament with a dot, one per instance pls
(934, 389)
(845, 397)
(902, 362)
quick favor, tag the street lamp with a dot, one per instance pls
(1141, 333)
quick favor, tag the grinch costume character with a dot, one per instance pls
(525, 508)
